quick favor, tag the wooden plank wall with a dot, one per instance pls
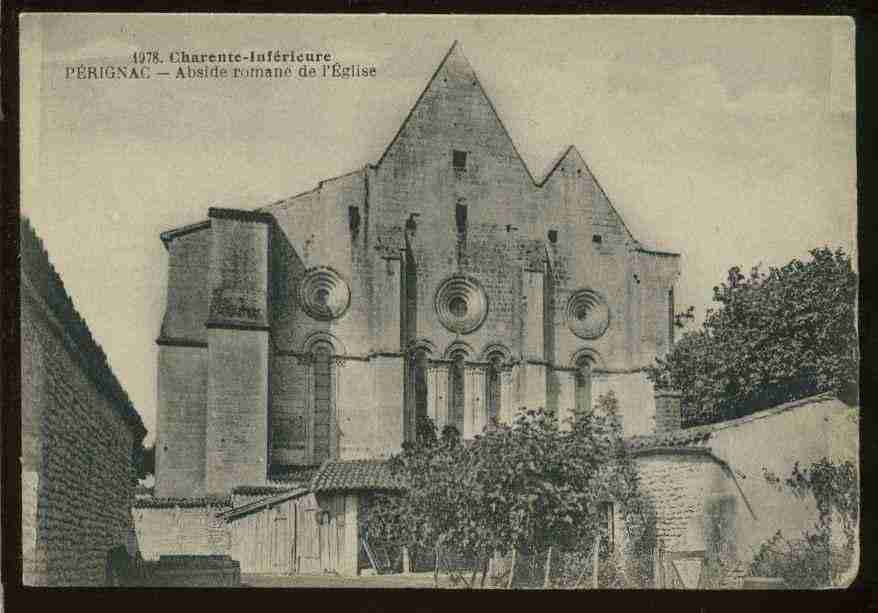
(289, 537)
(264, 541)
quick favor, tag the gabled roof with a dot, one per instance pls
(456, 52)
(355, 475)
(40, 276)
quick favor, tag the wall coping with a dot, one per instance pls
(700, 434)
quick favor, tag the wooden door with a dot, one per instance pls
(307, 541)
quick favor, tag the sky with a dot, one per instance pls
(730, 140)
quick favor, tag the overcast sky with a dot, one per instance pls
(729, 140)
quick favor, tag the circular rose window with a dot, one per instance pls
(323, 294)
(461, 304)
(588, 315)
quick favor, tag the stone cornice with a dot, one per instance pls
(236, 325)
(240, 215)
(170, 235)
(170, 341)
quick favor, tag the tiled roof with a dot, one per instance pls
(700, 435)
(183, 503)
(264, 490)
(283, 474)
(44, 280)
(355, 475)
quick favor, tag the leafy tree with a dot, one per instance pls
(816, 558)
(775, 337)
(526, 487)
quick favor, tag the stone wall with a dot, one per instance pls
(678, 484)
(181, 421)
(79, 436)
(721, 481)
(187, 527)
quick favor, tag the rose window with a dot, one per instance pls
(461, 304)
(323, 294)
(588, 315)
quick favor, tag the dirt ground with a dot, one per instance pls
(412, 580)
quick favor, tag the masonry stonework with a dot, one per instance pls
(449, 201)
(80, 435)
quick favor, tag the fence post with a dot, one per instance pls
(406, 562)
(658, 567)
(596, 549)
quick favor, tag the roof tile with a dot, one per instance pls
(355, 475)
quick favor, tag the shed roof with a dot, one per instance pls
(355, 475)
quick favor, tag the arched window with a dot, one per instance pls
(322, 399)
(458, 390)
(495, 367)
(418, 386)
(583, 385)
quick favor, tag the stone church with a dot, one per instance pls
(443, 280)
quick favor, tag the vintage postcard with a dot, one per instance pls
(473, 302)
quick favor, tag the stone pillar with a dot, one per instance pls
(437, 394)
(236, 445)
(566, 397)
(534, 386)
(508, 395)
(534, 383)
(668, 414)
(475, 415)
(388, 286)
(534, 343)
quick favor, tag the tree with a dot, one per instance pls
(528, 486)
(775, 337)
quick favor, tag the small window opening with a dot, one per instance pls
(461, 214)
(354, 219)
(459, 160)
(597, 238)
(553, 236)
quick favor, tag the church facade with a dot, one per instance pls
(444, 280)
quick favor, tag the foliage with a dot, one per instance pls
(815, 559)
(775, 337)
(528, 487)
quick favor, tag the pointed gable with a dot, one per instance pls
(454, 112)
(571, 166)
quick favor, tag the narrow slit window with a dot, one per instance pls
(461, 215)
(458, 160)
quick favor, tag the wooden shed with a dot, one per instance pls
(307, 530)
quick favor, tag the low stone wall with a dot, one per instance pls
(180, 526)
(190, 571)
